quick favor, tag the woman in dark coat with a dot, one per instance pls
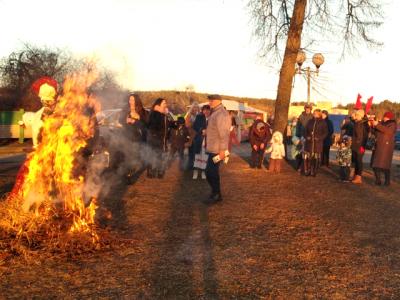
(315, 132)
(327, 140)
(134, 119)
(157, 134)
(259, 136)
(359, 142)
(385, 132)
(200, 124)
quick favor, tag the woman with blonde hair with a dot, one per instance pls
(359, 142)
(190, 117)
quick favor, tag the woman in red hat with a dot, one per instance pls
(384, 147)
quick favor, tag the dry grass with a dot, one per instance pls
(45, 233)
(274, 236)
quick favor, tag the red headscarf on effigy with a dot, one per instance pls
(39, 82)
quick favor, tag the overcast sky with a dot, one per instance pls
(169, 44)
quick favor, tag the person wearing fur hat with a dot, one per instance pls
(277, 150)
(359, 142)
(259, 136)
(315, 133)
(385, 132)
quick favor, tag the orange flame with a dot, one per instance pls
(55, 175)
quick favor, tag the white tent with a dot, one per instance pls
(237, 106)
(241, 109)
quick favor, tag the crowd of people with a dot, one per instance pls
(205, 132)
(208, 132)
(312, 138)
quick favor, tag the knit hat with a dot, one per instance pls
(389, 115)
(308, 105)
(260, 126)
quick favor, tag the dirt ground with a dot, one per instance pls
(279, 236)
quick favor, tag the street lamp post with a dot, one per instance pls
(317, 59)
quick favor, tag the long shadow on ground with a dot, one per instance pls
(184, 268)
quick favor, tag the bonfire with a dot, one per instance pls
(48, 207)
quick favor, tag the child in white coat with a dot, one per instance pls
(277, 150)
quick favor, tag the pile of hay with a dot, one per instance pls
(45, 232)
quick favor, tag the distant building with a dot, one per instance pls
(296, 110)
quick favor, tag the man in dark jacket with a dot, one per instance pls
(259, 136)
(303, 119)
(328, 140)
(347, 127)
(315, 133)
(157, 134)
(360, 137)
(179, 136)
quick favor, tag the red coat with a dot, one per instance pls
(384, 146)
(258, 137)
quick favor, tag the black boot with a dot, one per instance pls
(377, 173)
(150, 172)
(387, 177)
(307, 167)
(314, 167)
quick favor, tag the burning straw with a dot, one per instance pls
(48, 208)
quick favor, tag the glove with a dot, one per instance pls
(362, 150)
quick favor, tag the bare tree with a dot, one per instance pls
(300, 23)
(190, 89)
(24, 66)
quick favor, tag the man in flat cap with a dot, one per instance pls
(217, 141)
(303, 119)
